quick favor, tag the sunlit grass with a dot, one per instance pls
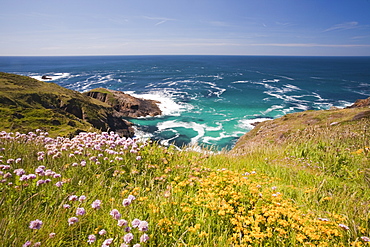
(103, 190)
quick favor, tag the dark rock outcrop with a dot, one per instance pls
(360, 103)
(125, 104)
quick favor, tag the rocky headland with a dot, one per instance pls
(283, 130)
(27, 104)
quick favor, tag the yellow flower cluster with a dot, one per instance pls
(256, 212)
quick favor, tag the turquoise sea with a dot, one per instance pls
(209, 100)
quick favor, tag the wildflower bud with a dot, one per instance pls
(52, 235)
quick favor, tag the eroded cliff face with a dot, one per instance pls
(125, 104)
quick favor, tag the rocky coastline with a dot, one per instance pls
(27, 104)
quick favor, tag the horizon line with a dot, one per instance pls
(231, 55)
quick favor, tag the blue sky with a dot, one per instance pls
(191, 27)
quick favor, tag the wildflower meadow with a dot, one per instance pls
(99, 189)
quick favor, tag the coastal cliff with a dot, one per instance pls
(284, 130)
(125, 104)
(27, 104)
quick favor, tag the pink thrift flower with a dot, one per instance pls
(136, 245)
(73, 198)
(52, 235)
(107, 242)
(128, 229)
(80, 211)
(143, 226)
(72, 220)
(115, 214)
(40, 182)
(128, 238)
(102, 232)
(343, 226)
(35, 224)
(126, 202)
(96, 204)
(26, 244)
(66, 206)
(59, 184)
(91, 239)
(19, 172)
(144, 238)
(37, 244)
(135, 223)
(131, 198)
(82, 198)
(365, 239)
(122, 223)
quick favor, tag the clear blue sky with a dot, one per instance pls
(170, 27)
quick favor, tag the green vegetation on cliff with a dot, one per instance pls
(27, 104)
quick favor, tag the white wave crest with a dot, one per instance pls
(50, 77)
(199, 128)
(249, 123)
(166, 103)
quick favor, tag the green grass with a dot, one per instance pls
(273, 195)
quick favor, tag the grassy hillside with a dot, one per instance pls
(27, 104)
(308, 187)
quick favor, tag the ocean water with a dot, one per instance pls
(209, 100)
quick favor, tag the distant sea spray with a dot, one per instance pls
(209, 100)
